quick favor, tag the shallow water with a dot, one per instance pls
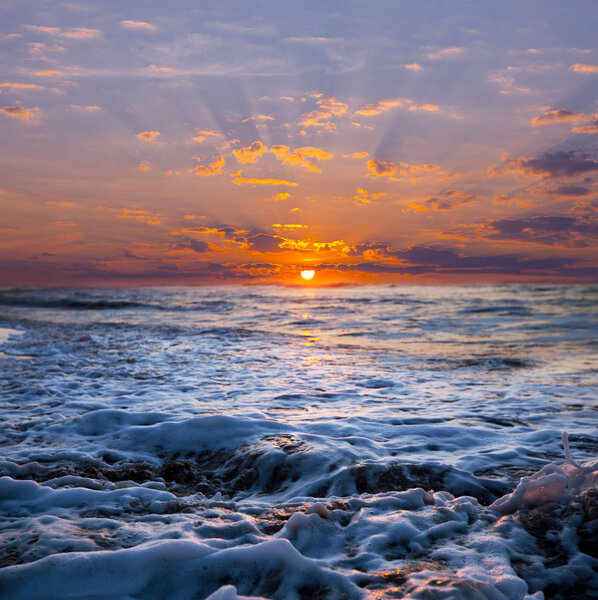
(294, 442)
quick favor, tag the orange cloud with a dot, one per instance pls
(63, 203)
(148, 136)
(91, 107)
(289, 226)
(20, 112)
(413, 67)
(557, 116)
(381, 168)
(42, 29)
(333, 105)
(446, 53)
(258, 118)
(364, 197)
(139, 215)
(378, 107)
(215, 168)
(204, 135)
(77, 33)
(424, 107)
(81, 33)
(282, 196)
(47, 73)
(11, 86)
(240, 180)
(140, 25)
(580, 68)
(250, 153)
(143, 166)
(327, 107)
(586, 129)
(300, 156)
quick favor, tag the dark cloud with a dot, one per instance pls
(562, 230)
(264, 242)
(434, 260)
(557, 164)
(197, 246)
(572, 190)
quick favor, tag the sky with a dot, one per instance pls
(387, 141)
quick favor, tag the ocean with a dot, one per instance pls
(299, 442)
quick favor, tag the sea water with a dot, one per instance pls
(299, 443)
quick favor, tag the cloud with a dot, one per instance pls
(413, 67)
(148, 136)
(203, 135)
(450, 200)
(81, 33)
(451, 52)
(333, 105)
(590, 129)
(364, 197)
(198, 246)
(581, 68)
(381, 168)
(77, 33)
(250, 153)
(48, 73)
(379, 107)
(282, 196)
(264, 242)
(384, 105)
(90, 107)
(312, 40)
(558, 230)
(143, 166)
(557, 116)
(258, 118)
(139, 215)
(43, 29)
(137, 25)
(415, 260)
(215, 167)
(571, 190)
(327, 107)
(557, 164)
(586, 129)
(240, 180)
(300, 156)
(12, 86)
(424, 107)
(30, 115)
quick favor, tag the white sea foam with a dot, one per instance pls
(282, 444)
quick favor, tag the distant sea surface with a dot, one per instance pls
(295, 442)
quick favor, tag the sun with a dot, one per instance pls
(307, 274)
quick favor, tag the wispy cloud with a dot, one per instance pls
(240, 180)
(558, 115)
(581, 68)
(30, 115)
(137, 25)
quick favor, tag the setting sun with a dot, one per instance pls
(307, 274)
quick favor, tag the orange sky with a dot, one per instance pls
(153, 143)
